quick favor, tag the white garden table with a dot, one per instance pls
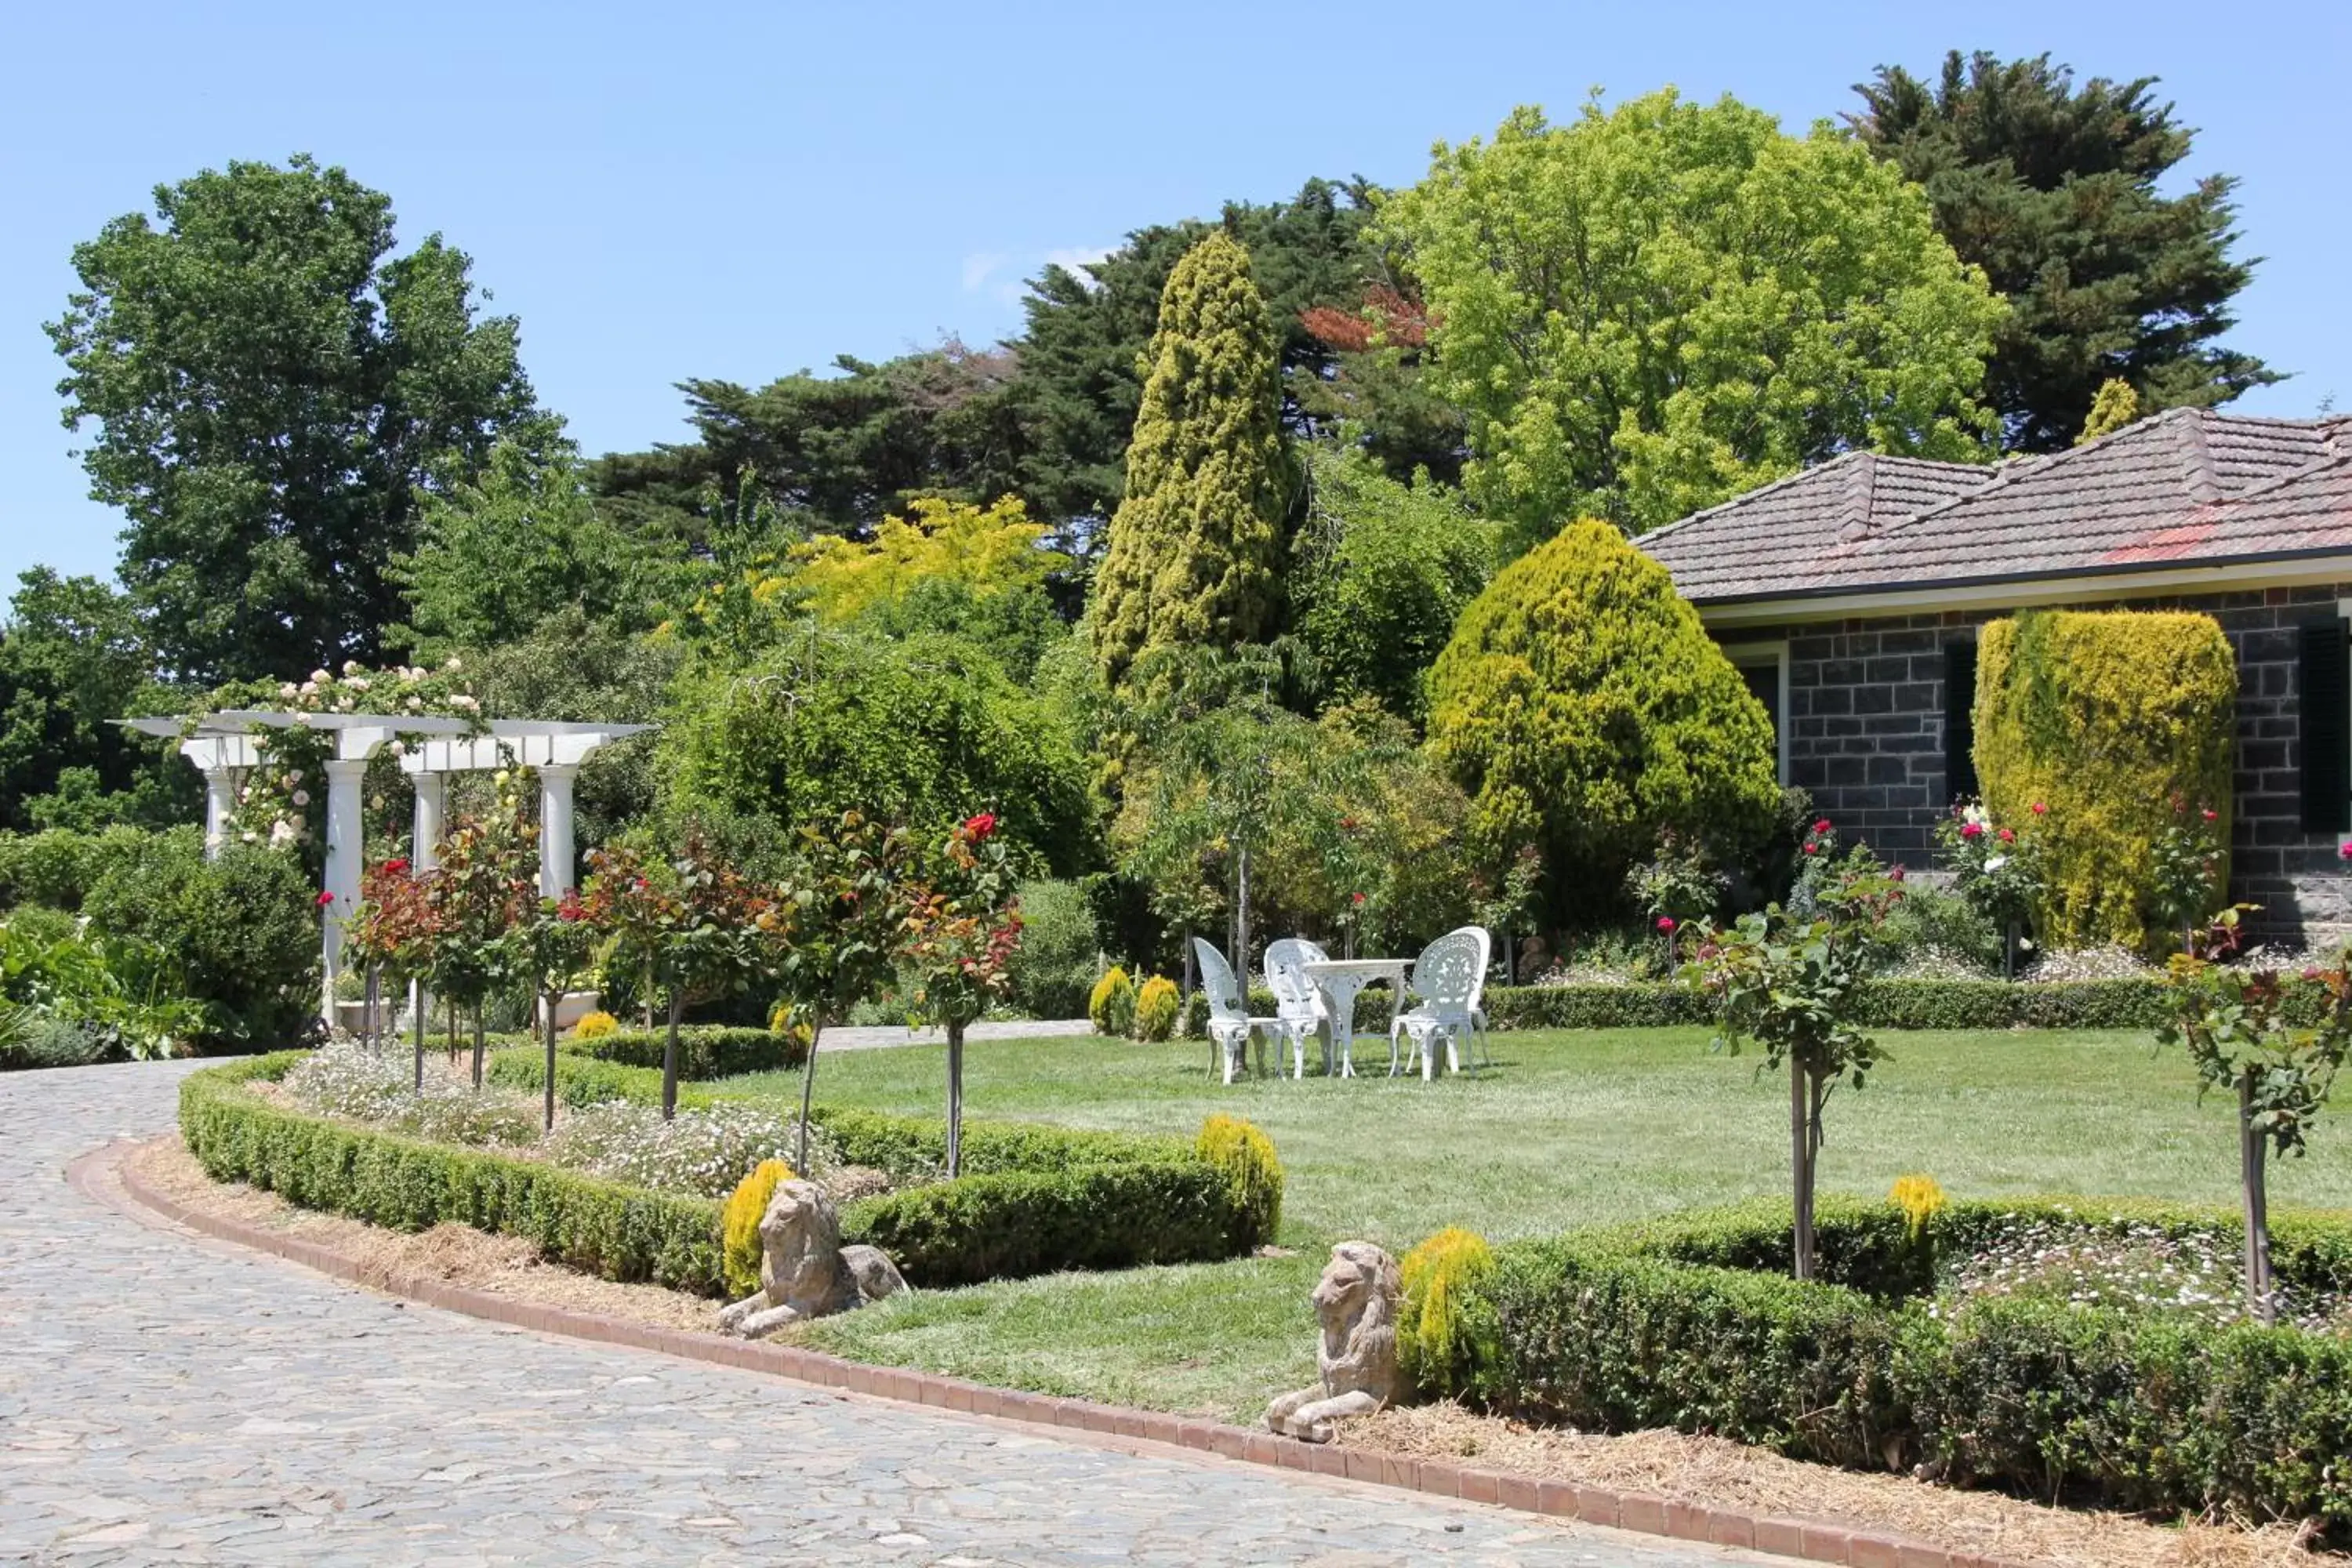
(1340, 979)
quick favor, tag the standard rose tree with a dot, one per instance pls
(962, 927)
(551, 944)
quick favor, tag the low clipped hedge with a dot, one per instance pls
(705, 1051)
(1691, 1322)
(1031, 1198)
(2133, 1004)
(598, 1227)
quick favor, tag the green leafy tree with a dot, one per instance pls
(1195, 546)
(1656, 308)
(925, 731)
(74, 658)
(1587, 713)
(1381, 570)
(271, 388)
(501, 552)
(2053, 189)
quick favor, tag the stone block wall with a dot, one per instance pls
(1865, 739)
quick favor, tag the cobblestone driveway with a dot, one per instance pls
(167, 1400)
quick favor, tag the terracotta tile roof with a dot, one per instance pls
(2187, 487)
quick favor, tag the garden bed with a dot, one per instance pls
(2138, 1402)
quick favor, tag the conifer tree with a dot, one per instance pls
(1195, 545)
(2115, 407)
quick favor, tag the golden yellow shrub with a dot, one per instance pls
(746, 1207)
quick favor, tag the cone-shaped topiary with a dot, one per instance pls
(1195, 545)
(1246, 1156)
(1587, 711)
(1155, 1009)
(1111, 1006)
(746, 1207)
(2115, 407)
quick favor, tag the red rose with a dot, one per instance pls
(323, 899)
(2209, 814)
(1816, 849)
(1894, 874)
(2007, 836)
(2345, 850)
(1972, 830)
(1665, 923)
(2039, 809)
(1823, 825)
(394, 867)
(1356, 897)
(981, 825)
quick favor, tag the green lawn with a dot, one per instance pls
(1571, 1129)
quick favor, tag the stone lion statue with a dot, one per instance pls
(805, 1271)
(1357, 1304)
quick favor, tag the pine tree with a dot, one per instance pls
(1195, 545)
(2057, 189)
(2115, 407)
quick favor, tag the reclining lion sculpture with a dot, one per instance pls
(1356, 1303)
(805, 1271)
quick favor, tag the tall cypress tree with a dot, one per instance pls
(2051, 188)
(1195, 545)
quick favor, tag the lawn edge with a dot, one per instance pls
(1808, 1539)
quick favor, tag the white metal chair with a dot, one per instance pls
(1230, 1023)
(1298, 1001)
(1449, 976)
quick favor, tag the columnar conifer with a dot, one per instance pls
(1195, 544)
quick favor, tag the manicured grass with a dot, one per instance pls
(1571, 1129)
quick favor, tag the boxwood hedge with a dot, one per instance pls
(1691, 1322)
(1034, 1199)
(2134, 1003)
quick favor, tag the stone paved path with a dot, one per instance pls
(164, 1399)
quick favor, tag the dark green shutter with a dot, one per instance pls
(1959, 719)
(2323, 727)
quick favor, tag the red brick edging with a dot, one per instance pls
(1811, 1540)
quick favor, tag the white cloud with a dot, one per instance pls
(979, 265)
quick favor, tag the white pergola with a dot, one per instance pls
(221, 746)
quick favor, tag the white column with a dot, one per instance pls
(343, 848)
(220, 806)
(555, 868)
(425, 836)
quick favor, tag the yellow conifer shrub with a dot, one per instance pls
(1433, 1343)
(1246, 1156)
(746, 1207)
(1111, 1007)
(1155, 1009)
(592, 1024)
(1921, 1198)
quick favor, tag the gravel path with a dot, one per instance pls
(164, 1399)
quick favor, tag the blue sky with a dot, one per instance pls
(742, 190)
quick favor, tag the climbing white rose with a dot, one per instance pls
(302, 797)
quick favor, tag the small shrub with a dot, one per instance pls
(1009, 1225)
(1435, 1349)
(1155, 1009)
(705, 1051)
(1111, 1007)
(1921, 1199)
(341, 1079)
(1251, 1169)
(740, 1225)
(46, 1040)
(595, 1025)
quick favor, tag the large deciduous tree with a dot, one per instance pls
(270, 388)
(74, 658)
(2051, 189)
(1654, 307)
(1195, 544)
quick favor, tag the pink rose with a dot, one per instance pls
(1665, 923)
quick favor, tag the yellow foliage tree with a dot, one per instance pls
(746, 1207)
(984, 550)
